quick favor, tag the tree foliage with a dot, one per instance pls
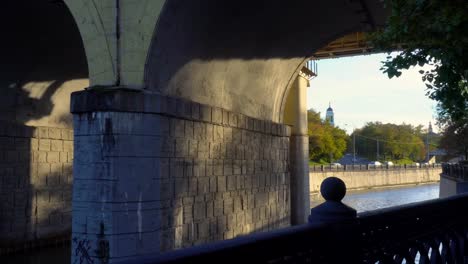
(395, 142)
(326, 142)
(430, 32)
(455, 140)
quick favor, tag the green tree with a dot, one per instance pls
(430, 32)
(326, 142)
(454, 140)
(377, 141)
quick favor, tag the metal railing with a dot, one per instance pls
(433, 231)
(364, 167)
(458, 171)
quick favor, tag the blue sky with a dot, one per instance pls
(359, 92)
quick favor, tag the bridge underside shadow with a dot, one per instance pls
(202, 154)
(42, 62)
(244, 55)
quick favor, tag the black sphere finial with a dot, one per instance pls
(333, 189)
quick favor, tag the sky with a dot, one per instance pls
(359, 93)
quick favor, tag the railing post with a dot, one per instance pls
(344, 237)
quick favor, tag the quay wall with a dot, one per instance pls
(368, 178)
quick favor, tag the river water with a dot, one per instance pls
(360, 200)
(367, 200)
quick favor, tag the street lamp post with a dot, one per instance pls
(354, 146)
(354, 143)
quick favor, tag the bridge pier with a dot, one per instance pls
(155, 173)
(299, 151)
(116, 190)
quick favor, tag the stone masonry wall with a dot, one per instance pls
(174, 175)
(375, 178)
(35, 182)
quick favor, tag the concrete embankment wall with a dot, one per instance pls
(375, 178)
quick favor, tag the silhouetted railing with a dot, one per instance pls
(459, 171)
(433, 231)
(358, 167)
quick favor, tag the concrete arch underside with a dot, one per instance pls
(244, 55)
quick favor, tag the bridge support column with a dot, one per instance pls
(154, 173)
(299, 153)
(116, 190)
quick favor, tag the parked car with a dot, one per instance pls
(336, 164)
(375, 163)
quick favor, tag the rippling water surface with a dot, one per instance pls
(381, 198)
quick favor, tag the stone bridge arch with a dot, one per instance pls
(179, 138)
(241, 55)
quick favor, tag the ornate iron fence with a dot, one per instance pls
(358, 167)
(459, 171)
(434, 231)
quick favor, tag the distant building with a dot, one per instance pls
(329, 116)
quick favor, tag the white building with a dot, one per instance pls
(329, 116)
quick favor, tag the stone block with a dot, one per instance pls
(203, 185)
(230, 151)
(231, 182)
(199, 129)
(56, 145)
(188, 214)
(221, 184)
(227, 134)
(227, 167)
(228, 206)
(180, 187)
(177, 128)
(68, 146)
(195, 111)
(44, 144)
(199, 168)
(217, 115)
(189, 129)
(63, 157)
(218, 133)
(193, 186)
(225, 120)
(203, 229)
(213, 185)
(54, 133)
(167, 147)
(181, 148)
(193, 148)
(43, 132)
(34, 144)
(206, 113)
(233, 119)
(199, 211)
(53, 157)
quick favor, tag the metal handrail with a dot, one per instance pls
(365, 167)
(384, 235)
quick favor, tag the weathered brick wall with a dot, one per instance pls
(35, 182)
(173, 174)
